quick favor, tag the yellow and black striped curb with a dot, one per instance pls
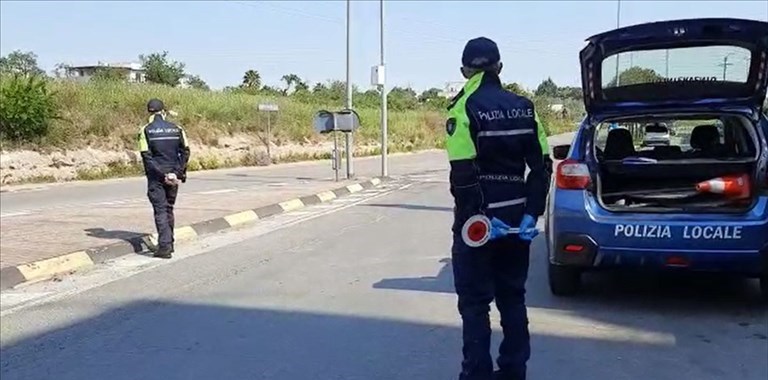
(48, 268)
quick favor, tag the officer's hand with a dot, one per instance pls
(171, 179)
(528, 228)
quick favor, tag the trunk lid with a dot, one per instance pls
(693, 64)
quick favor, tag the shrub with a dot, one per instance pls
(27, 108)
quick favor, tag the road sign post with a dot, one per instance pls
(269, 108)
(345, 121)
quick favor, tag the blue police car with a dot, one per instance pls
(698, 203)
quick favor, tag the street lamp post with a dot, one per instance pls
(383, 87)
(348, 103)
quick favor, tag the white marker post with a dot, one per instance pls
(269, 108)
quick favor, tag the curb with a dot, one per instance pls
(48, 268)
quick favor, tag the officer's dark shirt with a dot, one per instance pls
(164, 148)
(493, 134)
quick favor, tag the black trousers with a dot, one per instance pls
(497, 271)
(163, 197)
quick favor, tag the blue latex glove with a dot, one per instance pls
(528, 229)
(498, 228)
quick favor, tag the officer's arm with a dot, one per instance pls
(462, 152)
(536, 184)
(184, 152)
(542, 134)
(150, 167)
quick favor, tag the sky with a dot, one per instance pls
(220, 40)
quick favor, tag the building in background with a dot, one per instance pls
(132, 72)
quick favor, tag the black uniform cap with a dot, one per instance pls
(155, 105)
(480, 53)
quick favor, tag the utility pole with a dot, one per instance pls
(348, 105)
(725, 65)
(383, 87)
(618, 24)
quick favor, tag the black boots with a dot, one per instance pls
(164, 252)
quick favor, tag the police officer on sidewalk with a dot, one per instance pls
(492, 135)
(165, 153)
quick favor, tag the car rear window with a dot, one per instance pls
(690, 64)
(726, 138)
(656, 129)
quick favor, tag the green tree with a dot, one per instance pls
(27, 108)
(271, 91)
(570, 93)
(331, 92)
(301, 86)
(427, 95)
(400, 99)
(370, 98)
(251, 80)
(432, 98)
(61, 70)
(517, 89)
(159, 69)
(294, 83)
(21, 63)
(194, 81)
(636, 75)
(547, 88)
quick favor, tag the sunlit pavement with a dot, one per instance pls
(364, 291)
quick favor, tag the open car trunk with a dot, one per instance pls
(671, 187)
(711, 164)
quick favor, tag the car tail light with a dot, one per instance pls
(572, 175)
(677, 261)
(573, 248)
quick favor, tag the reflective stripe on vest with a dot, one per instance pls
(511, 132)
(511, 202)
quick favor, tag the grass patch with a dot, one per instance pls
(117, 169)
(107, 115)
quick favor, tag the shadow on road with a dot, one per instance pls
(137, 240)
(628, 290)
(410, 207)
(720, 316)
(441, 283)
(168, 340)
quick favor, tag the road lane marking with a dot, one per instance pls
(220, 191)
(12, 214)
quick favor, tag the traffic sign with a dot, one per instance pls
(268, 107)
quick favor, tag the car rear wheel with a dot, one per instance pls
(564, 281)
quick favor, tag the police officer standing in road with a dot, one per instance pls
(492, 135)
(165, 153)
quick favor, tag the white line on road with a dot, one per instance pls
(222, 191)
(12, 214)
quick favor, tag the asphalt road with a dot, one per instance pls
(21, 199)
(363, 290)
